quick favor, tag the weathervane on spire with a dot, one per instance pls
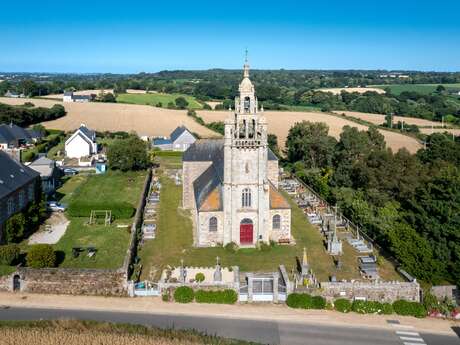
(246, 55)
(246, 65)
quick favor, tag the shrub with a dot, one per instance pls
(299, 300)
(231, 247)
(387, 309)
(318, 302)
(367, 307)
(9, 254)
(183, 294)
(41, 255)
(165, 297)
(264, 247)
(199, 277)
(406, 308)
(343, 305)
(121, 210)
(227, 296)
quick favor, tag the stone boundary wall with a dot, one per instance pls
(373, 291)
(77, 281)
(136, 225)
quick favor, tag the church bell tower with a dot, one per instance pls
(246, 188)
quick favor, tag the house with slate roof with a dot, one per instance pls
(69, 97)
(13, 136)
(50, 174)
(19, 186)
(179, 140)
(82, 143)
(231, 184)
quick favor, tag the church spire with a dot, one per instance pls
(246, 65)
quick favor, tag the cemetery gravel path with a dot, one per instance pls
(267, 324)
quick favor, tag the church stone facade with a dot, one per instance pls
(231, 184)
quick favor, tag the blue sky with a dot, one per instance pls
(135, 36)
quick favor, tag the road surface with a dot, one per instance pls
(265, 332)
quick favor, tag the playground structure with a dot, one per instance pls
(98, 214)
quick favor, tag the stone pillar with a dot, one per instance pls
(250, 286)
(276, 277)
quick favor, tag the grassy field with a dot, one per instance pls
(421, 88)
(155, 98)
(73, 332)
(110, 241)
(174, 242)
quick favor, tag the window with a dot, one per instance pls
(22, 199)
(10, 206)
(246, 198)
(31, 192)
(247, 103)
(276, 222)
(212, 224)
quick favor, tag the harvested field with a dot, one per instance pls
(378, 119)
(143, 119)
(73, 332)
(455, 131)
(279, 123)
(95, 92)
(338, 90)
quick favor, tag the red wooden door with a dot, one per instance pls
(246, 233)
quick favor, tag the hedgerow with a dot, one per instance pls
(402, 307)
(184, 294)
(227, 296)
(343, 305)
(305, 301)
(120, 210)
(9, 254)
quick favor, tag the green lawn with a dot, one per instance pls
(110, 241)
(174, 242)
(421, 88)
(154, 98)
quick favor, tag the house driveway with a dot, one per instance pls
(52, 230)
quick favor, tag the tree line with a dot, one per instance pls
(27, 114)
(408, 203)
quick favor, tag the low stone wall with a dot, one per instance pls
(373, 291)
(71, 281)
(6, 283)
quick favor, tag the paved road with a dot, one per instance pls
(254, 330)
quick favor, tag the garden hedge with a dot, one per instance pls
(407, 308)
(9, 254)
(41, 256)
(227, 296)
(343, 305)
(305, 301)
(184, 294)
(120, 210)
(367, 307)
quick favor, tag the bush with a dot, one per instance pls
(264, 247)
(406, 308)
(183, 294)
(299, 300)
(199, 277)
(387, 309)
(227, 296)
(165, 297)
(366, 307)
(231, 247)
(9, 254)
(343, 305)
(40, 256)
(318, 302)
(121, 210)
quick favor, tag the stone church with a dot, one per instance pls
(231, 184)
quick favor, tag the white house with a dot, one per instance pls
(70, 97)
(179, 140)
(82, 143)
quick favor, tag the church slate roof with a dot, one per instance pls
(277, 200)
(205, 184)
(206, 150)
(13, 175)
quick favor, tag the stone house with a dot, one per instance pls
(50, 174)
(231, 185)
(69, 97)
(13, 136)
(82, 143)
(19, 186)
(179, 140)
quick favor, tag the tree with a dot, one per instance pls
(309, 142)
(272, 140)
(128, 154)
(107, 97)
(181, 102)
(41, 256)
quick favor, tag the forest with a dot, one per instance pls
(409, 204)
(276, 89)
(27, 114)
